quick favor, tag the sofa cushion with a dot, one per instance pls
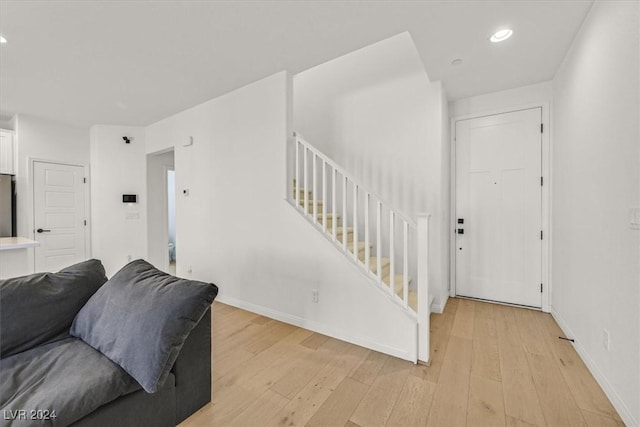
(140, 319)
(39, 308)
(61, 382)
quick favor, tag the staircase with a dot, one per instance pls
(389, 248)
(347, 234)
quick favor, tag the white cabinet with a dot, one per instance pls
(7, 152)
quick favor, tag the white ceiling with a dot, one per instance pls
(136, 62)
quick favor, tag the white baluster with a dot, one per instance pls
(392, 267)
(367, 249)
(405, 263)
(324, 194)
(315, 189)
(344, 213)
(355, 221)
(379, 241)
(296, 190)
(305, 193)
(334, 175)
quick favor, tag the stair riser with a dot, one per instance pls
(329, 225)
(349, 237)
(310, 209)
(385, 270)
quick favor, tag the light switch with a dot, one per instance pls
(634, 218)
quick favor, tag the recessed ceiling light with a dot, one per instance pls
(3, 40)
(501, 35)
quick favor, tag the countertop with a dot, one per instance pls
(10, 243)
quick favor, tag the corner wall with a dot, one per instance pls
(596, 172)
(119, 230)
(236, 229)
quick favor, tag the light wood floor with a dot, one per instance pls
(492, 365)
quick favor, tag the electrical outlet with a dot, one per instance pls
(189, 270)
(314, 295)
(605, 339)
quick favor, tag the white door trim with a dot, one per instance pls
(31, 161)
(546, 195)
(165, 213)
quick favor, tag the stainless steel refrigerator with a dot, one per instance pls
(7, 205)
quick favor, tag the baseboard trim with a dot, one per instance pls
(439, 308)
(608, 389)
(318, 327)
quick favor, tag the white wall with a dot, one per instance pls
(236, 230)
(119, 230)
(157, 214)
(375, 113)
(524, 96)
(596, 170)
(42, 139)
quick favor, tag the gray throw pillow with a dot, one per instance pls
(39, 308)
(141, 318)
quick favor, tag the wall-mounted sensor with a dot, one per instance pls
(127, 140)
(129, 198)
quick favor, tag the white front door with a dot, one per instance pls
(499, 207)
(59, 215)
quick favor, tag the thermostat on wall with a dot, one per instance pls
(129, 198)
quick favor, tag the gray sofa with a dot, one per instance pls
(64, 357)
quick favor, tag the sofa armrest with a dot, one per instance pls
(192, 370)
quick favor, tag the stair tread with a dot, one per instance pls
(340, 229)
(373, 263)
(397, 284)
(361, 245)
(329, 215)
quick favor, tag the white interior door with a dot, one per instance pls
(499, 207)
(59, 215)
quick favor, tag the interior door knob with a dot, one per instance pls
(42, 230)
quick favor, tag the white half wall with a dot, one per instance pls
(119, 230)
(596, 173)
(235, 228)
(42, 139)
(376, 114)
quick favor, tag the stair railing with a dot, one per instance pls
(410, 257)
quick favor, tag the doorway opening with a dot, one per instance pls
(499, 206)
(171, 218)
(161, 210)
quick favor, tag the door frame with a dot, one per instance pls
(31, 161)
(546, 194)
(165, 214)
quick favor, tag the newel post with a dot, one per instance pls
(423, 287)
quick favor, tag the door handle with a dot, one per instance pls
(42, 230)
